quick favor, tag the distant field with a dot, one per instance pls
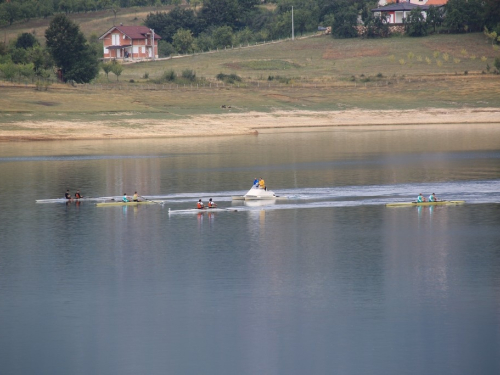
(324, 59)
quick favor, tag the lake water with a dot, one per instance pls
(329, 281)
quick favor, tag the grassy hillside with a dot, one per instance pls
(318, 73)
(324, 59)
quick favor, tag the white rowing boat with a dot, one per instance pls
(64, 200)
(256, 193)
(201, 210)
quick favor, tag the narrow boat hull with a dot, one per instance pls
(201, 210)
(420, 204)
(64, 200)
(113, 204)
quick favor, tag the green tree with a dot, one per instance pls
(492, 14)
(106, 67)
(9, 70)
(377, 26)
(70, 51)
(165, 49)
(434, 17)
(116, 69)
(26, 40)
(183, 41)
(19, 56)
(345, 22)
(464, 15)
(222, 37)
(41, 59)
(167, 24)
(415, 24)
(220, 12)
(10, 12)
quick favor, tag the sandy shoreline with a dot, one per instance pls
(238, 123)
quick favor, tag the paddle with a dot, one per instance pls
(149, 200)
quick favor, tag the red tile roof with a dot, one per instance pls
(134, 32)
(436, 2)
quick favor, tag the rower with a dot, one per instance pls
(433, 198)
(211, 204)
(200, 205)
(78, 195)
(420, 198)
(67, 195)
(135, 198)
(125, 198)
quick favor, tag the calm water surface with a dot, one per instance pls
(329, 281)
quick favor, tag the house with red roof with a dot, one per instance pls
(130, 42)
(397, 10)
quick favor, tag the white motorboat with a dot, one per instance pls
(256, 193)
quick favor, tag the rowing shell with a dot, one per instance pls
(64, 200)
(439, 203)
(110, 204)
(200, 210)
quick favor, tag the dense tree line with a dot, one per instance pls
(67, 54)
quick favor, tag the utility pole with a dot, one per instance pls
(293, 31)
(153, 45)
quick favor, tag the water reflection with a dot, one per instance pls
(330, 279)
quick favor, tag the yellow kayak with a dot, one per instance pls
(111, 204)
(438, 203)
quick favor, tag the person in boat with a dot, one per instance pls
(420, 198)
(211, 204)
(200, 205)
(262, 184)
(256, 182)
(78, 195)
(135, 197)
(125, 198)
(67, 195)
(433, 198)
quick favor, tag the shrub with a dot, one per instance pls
(146, 75)
(189, 74)
(230, 78)
(168, 76)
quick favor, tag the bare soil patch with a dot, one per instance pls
(335, 54)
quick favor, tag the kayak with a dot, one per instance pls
(419, 204)
(110, 204)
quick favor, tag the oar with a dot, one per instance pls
(149, 200)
